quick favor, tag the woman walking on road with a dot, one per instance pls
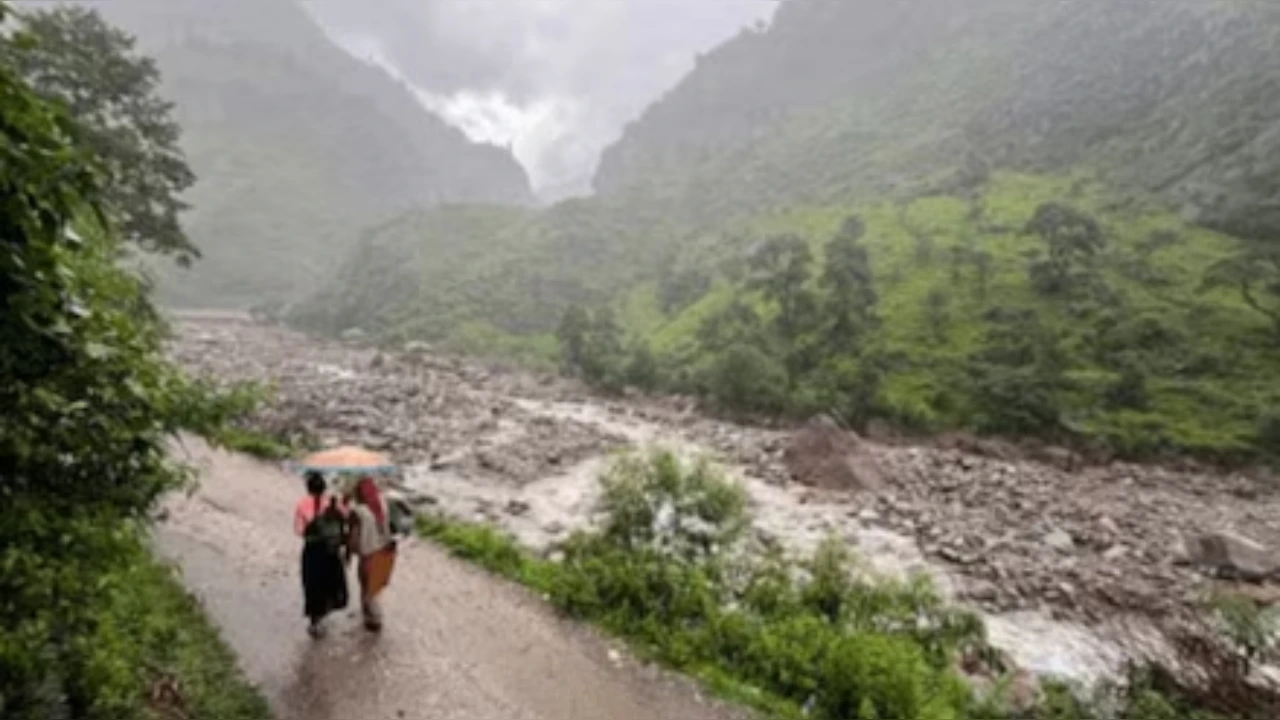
(371, 541)
(320, 522)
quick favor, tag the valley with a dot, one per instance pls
(1097, 558)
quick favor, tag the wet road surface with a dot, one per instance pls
(458, 643)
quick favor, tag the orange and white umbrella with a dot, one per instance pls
(347, 459)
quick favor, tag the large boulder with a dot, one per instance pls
(824, 455)
(1234, 556)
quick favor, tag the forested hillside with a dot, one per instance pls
(837, 99)
(1057, 220)
(296, 146)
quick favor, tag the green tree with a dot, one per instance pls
(1073, 238)
(72, 55)
(957, 256)
(591, 346)
(677, 289)
(575, 325)
(738, 323)
(850, 387)
(642, 368)
(780, 272)
(1129, 391)
(982, 271)
(936, 315)
(747, 378)
(850, 292)
(604, 358)
(1254, 271)
(89, 405)
(1018, 375)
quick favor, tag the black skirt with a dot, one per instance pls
(324, 581)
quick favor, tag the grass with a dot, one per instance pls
(116, 637)
(257, 444)
(490, 549)
(826, 646)
(816, 637)
(922, 247)
(500, 554)
(182, 649)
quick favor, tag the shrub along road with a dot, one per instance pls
(458, 644)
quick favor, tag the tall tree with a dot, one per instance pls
(89, 403)
(738, 323)
(780, 271)
(1018, 374)
(605, 342)
(575, 326)
(70, 54)
(850, 292)
(1073, 237)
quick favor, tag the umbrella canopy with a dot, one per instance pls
(348, 459)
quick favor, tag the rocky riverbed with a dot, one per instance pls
(1061, 559)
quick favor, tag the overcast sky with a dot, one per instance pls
(554, 79)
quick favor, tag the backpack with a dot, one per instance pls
(328, 527)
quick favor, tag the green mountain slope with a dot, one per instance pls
(459, 273)
(837, 99)
(1142, 357)
(298, 147)
(976, 144)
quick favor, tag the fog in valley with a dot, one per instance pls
(554, 80)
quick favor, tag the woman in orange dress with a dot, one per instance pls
(372, 543)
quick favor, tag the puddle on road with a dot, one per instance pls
(544, 511)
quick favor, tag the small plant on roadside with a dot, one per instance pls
(657, 504)
(668, 566)
(1252, 630)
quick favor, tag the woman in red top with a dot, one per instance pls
(321, 523)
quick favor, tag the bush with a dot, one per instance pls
(89, 403)
(1129, 391)
(487, 548)
(669, 569)
(882, 677)
(642, 369)
(745, 379)
(1269, 432)
(656, 504)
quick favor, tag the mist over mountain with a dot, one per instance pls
(554, 79)
(297, 145)
(836, 99)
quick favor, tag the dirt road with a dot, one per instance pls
(458, 643)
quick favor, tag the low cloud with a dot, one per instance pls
(554, 80)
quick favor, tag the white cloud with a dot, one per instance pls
(555, 80)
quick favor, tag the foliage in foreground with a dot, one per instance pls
(70, 55)
(148, 651)
(89, 404)
(819, 638)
